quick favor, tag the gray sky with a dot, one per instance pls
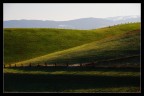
(68, 11)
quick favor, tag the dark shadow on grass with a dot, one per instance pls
(58, 83)
(61, 68)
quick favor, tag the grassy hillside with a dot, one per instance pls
(22, 44)
(108, 48)
(105, 43)
(117, 46)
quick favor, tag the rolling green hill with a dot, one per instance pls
(24, 46)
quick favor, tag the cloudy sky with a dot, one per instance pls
(68, 11)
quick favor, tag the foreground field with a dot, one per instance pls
(71, 79)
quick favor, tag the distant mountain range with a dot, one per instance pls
(82, 23)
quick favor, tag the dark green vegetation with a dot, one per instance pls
(78, 79)
(115, 51)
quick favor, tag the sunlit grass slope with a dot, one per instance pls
(105, 43)
(22, 44)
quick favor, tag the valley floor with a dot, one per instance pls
(74, 79)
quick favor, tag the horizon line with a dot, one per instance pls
(71, 19)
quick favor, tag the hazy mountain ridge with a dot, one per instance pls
(82, 23)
